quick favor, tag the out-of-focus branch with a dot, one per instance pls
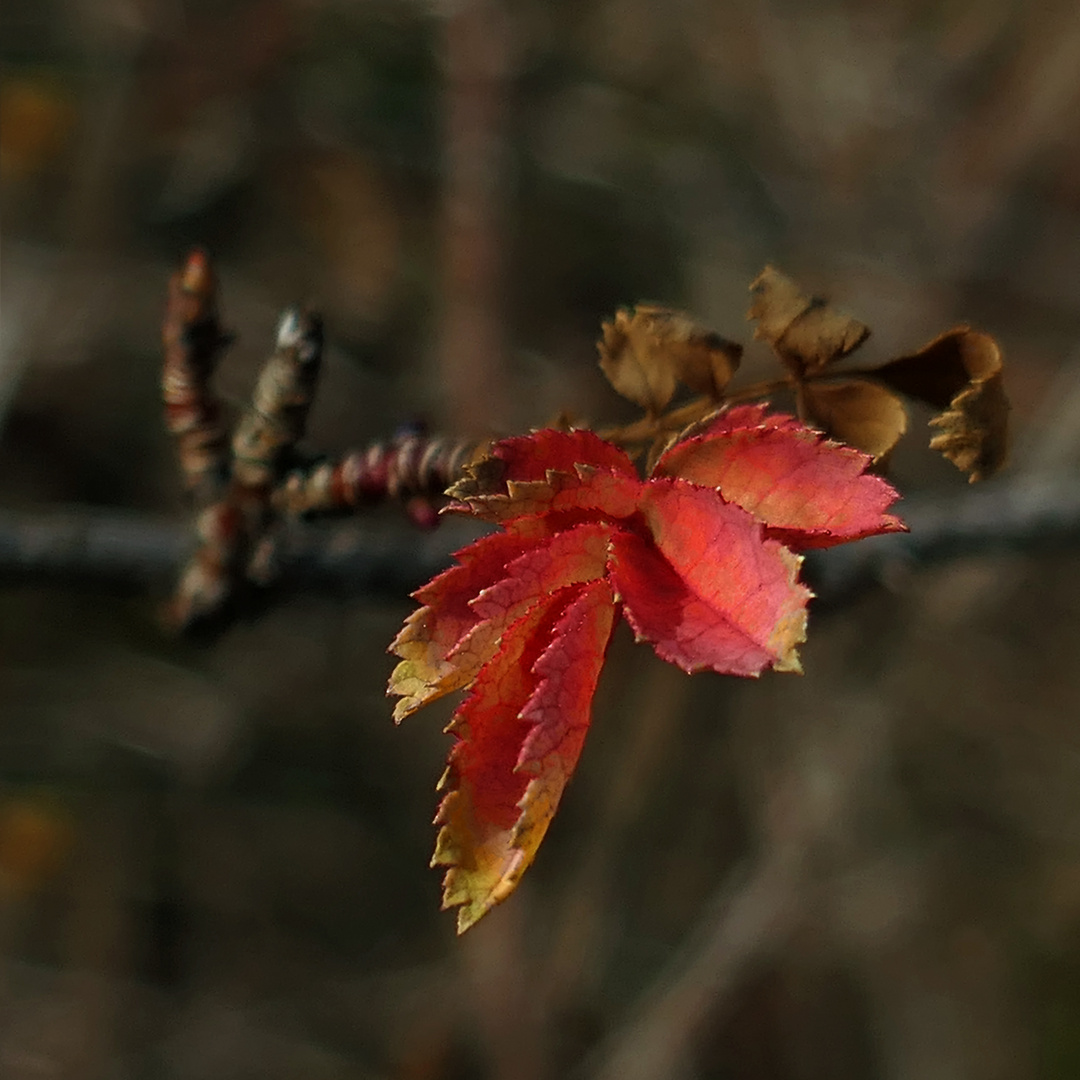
(248, 491)
(91, 547)
(476, 61)
(749, 917)
(234, 528)
(193, 341)
(96, 547)
(1027, 512)
(412, 468)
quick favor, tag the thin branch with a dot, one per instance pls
(98, 547)
(94, 548)
(759, 390)
(91, 547)
(234, 529)
(650, 426)
(277, 416)
(698, 409)
(413, 469)
(193, 341)
(248, 491)
(476, 69)
(1027, 513)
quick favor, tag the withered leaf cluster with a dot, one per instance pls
(960, 374)
(807, 334)
(646, 352)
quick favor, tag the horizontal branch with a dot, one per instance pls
(89, 547)
(1029, 512)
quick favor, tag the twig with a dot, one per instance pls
(1026, 513)
(236, 543)
(412, 468)
(277, 418)
(244, 492)
(89, 547)
(694, 411)
(476, 63)
(193, 341)
(651, 426)
(93, 547)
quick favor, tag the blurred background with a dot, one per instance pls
(213, 858)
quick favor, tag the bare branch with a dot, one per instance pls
(90, 547)
(277, 416)
(247, 493)
(193, 342)
(94, 548)
(98, 547)
(476, 63)
(1027, 513)
(234, 527)
(414, 469)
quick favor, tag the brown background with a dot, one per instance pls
(213, 860)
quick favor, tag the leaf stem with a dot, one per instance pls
(649, 427)
(759, 390)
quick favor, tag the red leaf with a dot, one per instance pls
(521, 732)
(479, 811)
(570, 558)
(577, 495)
(747, 416)
(710, 592)
(809, 492)
(433, 630)
(531, 457)
(548, 472)
(694, 561)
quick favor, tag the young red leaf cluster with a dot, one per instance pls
(700, 558)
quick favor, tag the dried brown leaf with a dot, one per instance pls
(857, 412)
(483, 476)
(960, 373)
(805, 331)
(646, 352)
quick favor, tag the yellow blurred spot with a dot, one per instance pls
(36, 118)
(34, 838)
